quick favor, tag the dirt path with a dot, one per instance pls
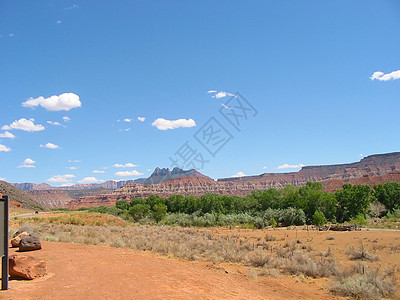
(99, 272)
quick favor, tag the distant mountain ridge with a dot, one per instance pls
(165, 174)
(375, 168)
(111, 185)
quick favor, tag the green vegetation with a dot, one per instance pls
(271, 207)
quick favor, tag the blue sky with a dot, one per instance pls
(75, 76)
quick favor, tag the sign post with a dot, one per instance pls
(4, 241)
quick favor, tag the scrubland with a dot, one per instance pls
(359, 264)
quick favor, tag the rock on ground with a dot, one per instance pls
(16, 240)
(30, 243)
(25, 266)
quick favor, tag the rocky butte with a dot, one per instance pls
(370, 170)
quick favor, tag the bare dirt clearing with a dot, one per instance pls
(100, 272)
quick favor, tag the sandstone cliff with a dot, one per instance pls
(370, 170)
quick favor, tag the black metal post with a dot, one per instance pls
(4, 259)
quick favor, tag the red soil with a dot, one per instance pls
(99, 272)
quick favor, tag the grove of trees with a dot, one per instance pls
(288, 206)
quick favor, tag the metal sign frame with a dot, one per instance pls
(4, 241)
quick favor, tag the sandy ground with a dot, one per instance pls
(98, 272)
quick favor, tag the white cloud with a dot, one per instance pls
(7, 134)
(26, 166)
(164, 124)
(2, 178)
(29, 161)
(127, 129)
(385, 77)
(265, 168)
(127, 165)
(72, 168)
(287, 166)
(128, 120)
(220, 94)
(141, 119)
(4, 148)
(361, 155)
(98, 172)
(239, 174)
(61, 178)
(90, 180)
(64, 101)
(66, 119)
(50, 146)
(24, 124)
(59, 22)
(75, 161)
(128, 173)
(54, 123)
(11, 34)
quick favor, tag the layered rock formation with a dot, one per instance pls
(165, 174)
(50, 198)
(374, 168)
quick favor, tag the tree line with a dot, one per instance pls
(288, 206)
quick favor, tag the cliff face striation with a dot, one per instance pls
(370, 170)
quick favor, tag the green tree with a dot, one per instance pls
(122, 204)
(319, 218)
(139, 211)
(352, 201)
(388, 194)
(159, 212)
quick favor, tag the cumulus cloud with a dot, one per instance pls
(73, 161)
(141, 119)
(127, 165)
(59, 22)
(50, 146)
(29, 161)
(4, 148)
(72, 168)
(127, 120)
(90, 180)
(287, 166)
(24, 124)
(64, 101)
(164, 124)
(66, 119)
(128, 173)
(126, 129)
(265, 168)
(61, 178)
(239, 174)
(7, 134)
(385, 77)
(98, 172)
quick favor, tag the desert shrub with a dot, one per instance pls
(305, 263)
(259, 258)
(362, 282)
(359, 220)
(360, 253)
(272, 223)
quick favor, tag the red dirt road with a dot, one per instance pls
(98, 272)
